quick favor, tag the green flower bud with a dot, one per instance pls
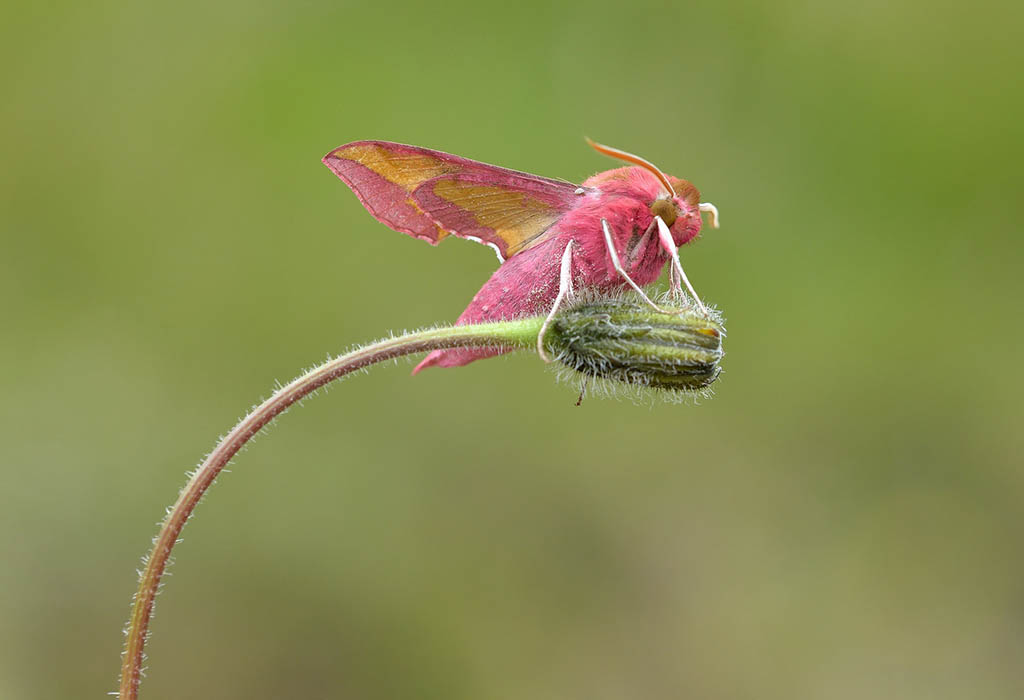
(630, 342)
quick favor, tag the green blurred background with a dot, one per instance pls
(842, 519)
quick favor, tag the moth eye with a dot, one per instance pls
(666, 209)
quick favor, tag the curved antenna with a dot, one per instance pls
(635, 160)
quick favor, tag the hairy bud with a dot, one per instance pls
(630, 342)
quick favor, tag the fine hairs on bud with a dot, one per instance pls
(622, 339)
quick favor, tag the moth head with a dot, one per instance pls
(686, 206)
(677, 196)
(678, 203)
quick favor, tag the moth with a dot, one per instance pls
(618, 229)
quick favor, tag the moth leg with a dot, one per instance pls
(673, 277)
(670, 246)
(675, 283)
(713, 210)
(640, 248)
(618, 268)
(564, 290)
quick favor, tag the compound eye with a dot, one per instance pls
(666, 209)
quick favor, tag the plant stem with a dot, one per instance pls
(521, 333)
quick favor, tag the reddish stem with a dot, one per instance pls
(519, 334)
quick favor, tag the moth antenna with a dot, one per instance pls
(635, 160)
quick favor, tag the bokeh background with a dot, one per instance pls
(842, 520)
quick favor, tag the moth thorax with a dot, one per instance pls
(666, 209)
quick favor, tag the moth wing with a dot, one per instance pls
(507, 210)
(430, 194)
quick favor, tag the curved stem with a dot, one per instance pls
(520, 333)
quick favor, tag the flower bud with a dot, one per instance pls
(630, 342)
